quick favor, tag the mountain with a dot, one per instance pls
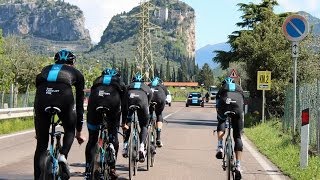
(313, 22)
(173, 38)
(206, 54)
(47, 25)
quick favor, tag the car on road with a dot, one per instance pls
(213, 91)
(169, 98)
(194, 99)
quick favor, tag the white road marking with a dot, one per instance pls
(16, 134)
(274, 173)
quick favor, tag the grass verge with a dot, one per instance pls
(278, 147)
(14, 125)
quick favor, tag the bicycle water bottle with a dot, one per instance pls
(111, 154)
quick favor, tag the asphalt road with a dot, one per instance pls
(188, 152)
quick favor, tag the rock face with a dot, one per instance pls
(44, 23)
(53, 20)
(176, 20)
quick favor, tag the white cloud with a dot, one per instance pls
(98, 13)
(310, 6)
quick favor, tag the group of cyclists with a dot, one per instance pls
(54, 88)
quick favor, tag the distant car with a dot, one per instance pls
(213, 91)
(169, 98)
(194, 99)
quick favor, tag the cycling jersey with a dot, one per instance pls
(54, 88)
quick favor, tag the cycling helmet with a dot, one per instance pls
(110, 71)
(64, 57)
(155, 81)
(228, 80)
(137, 78)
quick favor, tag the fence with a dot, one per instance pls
(308, 96)
(8, 100)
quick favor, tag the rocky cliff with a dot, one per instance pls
(175, 40)
(45, 21)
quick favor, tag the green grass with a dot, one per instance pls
(278, 147)
(15, 125)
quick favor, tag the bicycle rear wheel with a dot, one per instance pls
(47, 165)
(230, 172)
(136, 148)
(148, 149)
(99, 168)
(132, 153)
(153, 142)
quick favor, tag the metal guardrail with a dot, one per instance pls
(18, 112)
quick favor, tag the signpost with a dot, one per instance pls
(304, 138)
(263, 83)
(295, 28)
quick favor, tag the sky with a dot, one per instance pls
(215, 19)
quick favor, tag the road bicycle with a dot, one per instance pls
(228, 160)
(52, 170)
(151, 139)
(134, 142)
(103, 154)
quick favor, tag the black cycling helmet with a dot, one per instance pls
(64, 57)
(228, 80)
(138, 78)
(110, 71)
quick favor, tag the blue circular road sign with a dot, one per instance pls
(295, 27)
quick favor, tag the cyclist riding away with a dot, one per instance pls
(230, 89)
(160, 93)
(139, 94)
(107, 91)
(54, 88)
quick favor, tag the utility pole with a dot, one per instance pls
(144, 57)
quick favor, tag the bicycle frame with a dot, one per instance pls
(54, 148)
(102, 154)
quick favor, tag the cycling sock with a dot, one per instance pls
(238, 163)
(220, 143)
(158, 133)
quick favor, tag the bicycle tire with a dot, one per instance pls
(46, 173)
(228, 149)
(131, 158)
(153, 142)
(149, 150)
(98, 167)
(136, 148)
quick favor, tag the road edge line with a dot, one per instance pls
(265, 163)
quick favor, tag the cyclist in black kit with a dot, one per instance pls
(230, 89)
(108, 91)
(160, 93)
(138, 94)
(54, 89)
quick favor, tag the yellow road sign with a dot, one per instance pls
(264, 80)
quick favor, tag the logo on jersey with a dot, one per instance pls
(102, 93)
(49, 91)
(133, 95)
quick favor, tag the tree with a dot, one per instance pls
(20, 66)
(161, 72)
(168, 74)
(206, 76)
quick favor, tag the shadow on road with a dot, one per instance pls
(193, 122)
